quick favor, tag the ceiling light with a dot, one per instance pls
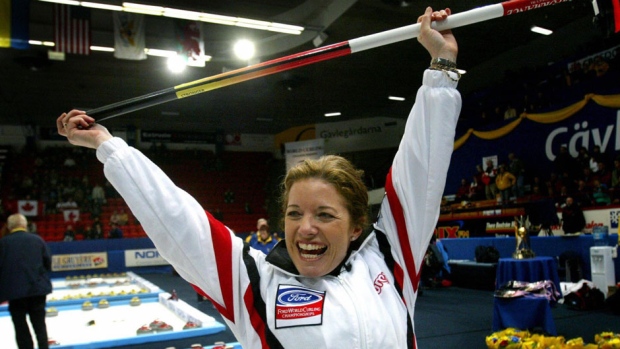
(64, 2)
(101, 6)
(189, 15)
(252, 21)
(217, 19)
(102, 49)
(244, 49)
(283, 31)
(133, 6)
(539, 30)
(143, 11)
(395, 98)
(182, 14)
(327, 115)
(159, 53)
(176, 64)
(41, 43)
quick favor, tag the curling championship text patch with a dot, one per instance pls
(298, 306)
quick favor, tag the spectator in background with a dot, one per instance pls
(98, 231)
(88, 232)
(66, 204)
(115, 218)
(510, 112)
(97, 197)
(69, 233)
(600, 194)
(587, 177)
(517, 168)
(583, 157)
(564, 162)
(476, 189)
(582, 194)
(97, 223)
(462, 193)
(505, 182)
(94, 232)
(597, 156)
(560, 199)
(115, 231)
(536, 194)
(25, 264)
(488, 178)
(603, 175)
(123, 217)
(573, 220)
(32, 226)
(262, 240)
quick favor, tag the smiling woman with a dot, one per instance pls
(320, 221)
(331, 277)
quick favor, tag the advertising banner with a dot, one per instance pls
(295, 152)
(79, 261)
(144, 257)
(537, 138)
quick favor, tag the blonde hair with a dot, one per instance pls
(16, 221)
(338, 172)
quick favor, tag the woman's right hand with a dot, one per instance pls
(81, 129)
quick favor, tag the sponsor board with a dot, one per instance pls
(144, 257)
(79, 261)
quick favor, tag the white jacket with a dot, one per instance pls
(368, 303)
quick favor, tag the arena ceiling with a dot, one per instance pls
(34, 89)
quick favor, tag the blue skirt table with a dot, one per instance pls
(525, 312)
(529, 270)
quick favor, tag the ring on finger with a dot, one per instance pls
(65, 125)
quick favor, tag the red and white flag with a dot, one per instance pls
(71, 215)
(72, 29)
(190, 42)
(29, 208)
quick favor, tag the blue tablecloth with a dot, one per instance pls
(529, 270)
(524, 313)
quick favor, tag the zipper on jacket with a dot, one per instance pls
(360, 319)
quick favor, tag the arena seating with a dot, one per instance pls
(244, 174)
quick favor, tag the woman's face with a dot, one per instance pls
(317, 227)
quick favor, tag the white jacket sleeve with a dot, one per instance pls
(416, 181)
(201, 249)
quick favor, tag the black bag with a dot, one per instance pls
(486, 254)
(585, 298)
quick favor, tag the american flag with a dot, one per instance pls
(72, 29)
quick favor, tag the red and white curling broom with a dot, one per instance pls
(316, 55)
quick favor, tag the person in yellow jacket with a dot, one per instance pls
(505, 182)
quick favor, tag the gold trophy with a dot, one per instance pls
(523, 250)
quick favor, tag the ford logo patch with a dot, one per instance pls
(298, 296)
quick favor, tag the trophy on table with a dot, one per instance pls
(522, 250)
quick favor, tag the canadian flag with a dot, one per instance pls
(28, 208)
(71, 215)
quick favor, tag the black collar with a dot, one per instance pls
(280, 258)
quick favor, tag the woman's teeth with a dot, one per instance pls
(311, 251)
